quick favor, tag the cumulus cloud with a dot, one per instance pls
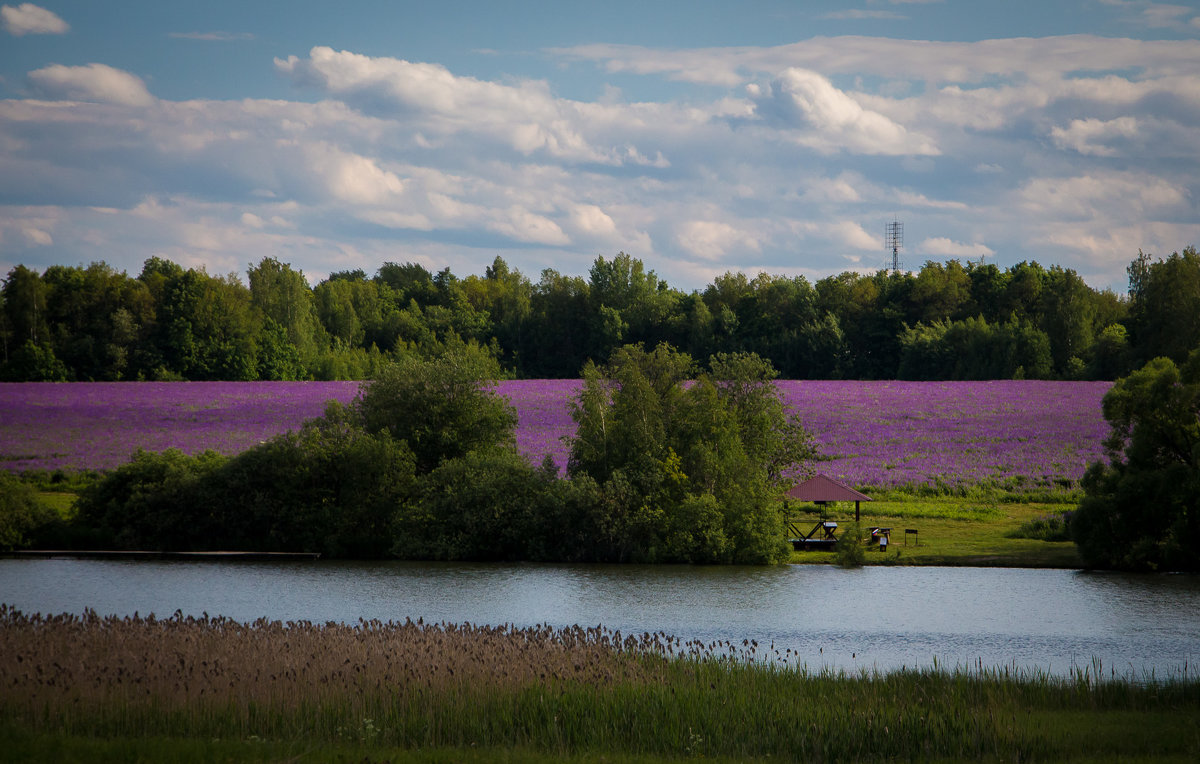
(28, 18)
(351, 178)
(712, 239)
(1089, 136)
(829, 120)
(1040, 58)
(592, 221)
(848, 233)
(940, 246)
(524, 116)
(93, 82)
(1111, 195)
(525, 226)
(791, 166)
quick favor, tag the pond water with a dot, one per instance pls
(873, 618)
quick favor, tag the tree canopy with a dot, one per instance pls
(1141, 510)
(947, 320)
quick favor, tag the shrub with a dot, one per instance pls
(21, 514)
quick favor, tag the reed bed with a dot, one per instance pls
(415, 685)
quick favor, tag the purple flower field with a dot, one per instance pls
(876, 433)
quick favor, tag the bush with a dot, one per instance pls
(21, 514)
(156, 502)
(1055, 527)
(850, 552)
(485, 505)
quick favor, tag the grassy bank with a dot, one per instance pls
(87, 688)
(950, 531)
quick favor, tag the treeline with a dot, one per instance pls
(948, 321)
(671, 463)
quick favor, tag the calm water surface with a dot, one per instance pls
(884, 618)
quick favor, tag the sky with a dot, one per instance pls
(700, 137)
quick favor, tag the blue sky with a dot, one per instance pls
(701, 137)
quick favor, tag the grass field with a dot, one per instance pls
(186, 689)
(950, 531)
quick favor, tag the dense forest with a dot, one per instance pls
(946, 321)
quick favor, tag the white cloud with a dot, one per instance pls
(1041, 59)
(840, 190)
(396, 219)
(827, 119)
(522, 225)
(407, 160)
(1109, 198)
(1088, 136)
(712, 239)
(848, 233)
(524, 116)
(351, 178)
(940, 246)
(593, 221)
(28, 18)
(93, 82)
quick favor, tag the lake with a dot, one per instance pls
(874, 618)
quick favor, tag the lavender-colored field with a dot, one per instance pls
(877, 433)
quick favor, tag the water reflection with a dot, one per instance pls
(870, 618)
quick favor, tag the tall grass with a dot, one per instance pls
(411, 685)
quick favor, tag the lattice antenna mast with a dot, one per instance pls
(893, 239)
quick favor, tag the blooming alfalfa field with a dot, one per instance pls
(1023, 434)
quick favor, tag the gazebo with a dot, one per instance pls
(822, 489)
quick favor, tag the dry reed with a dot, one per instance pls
(174, 662)
(414, 684)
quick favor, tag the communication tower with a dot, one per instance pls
(893, 239)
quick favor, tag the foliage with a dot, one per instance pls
(946, 320)
(34, 362)
(442, 408)
(1164, 311)
(330, 487)
(1053, 527)
(153, 502)
(21, 514)
(484, 505)
(849, 551)
(1141, 510)
(691, 470)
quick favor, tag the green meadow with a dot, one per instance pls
(950, 531)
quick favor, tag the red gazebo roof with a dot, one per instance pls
(821, 488)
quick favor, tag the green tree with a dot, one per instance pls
(1165, 305)
(443, 407)
(1141, 509)
(34, 363)
(282, 295)
(21, 513)
(484, 505)
(688, 471)
(1068, 318)
(25, 295)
